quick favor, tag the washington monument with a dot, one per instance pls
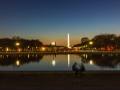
(68, 41)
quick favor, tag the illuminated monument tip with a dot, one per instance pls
(68, 41)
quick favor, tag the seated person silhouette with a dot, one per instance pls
(82, 69)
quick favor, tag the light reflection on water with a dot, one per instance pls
(56, 62)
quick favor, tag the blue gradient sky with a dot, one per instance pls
(52, 20)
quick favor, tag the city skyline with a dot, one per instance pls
(51, 20)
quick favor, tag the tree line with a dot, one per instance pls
(102, 40)
(106, 40)
(23, 43)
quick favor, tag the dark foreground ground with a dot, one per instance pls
(62, 80)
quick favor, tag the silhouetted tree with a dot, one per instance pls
(24, 43)
(104, 40)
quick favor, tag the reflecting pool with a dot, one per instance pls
(57, 62)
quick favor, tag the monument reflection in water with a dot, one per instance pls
(57, 62)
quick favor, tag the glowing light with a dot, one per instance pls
(86, 55)
(0, 56)
(17, 44)
(28, 55)
(7, 56)
(53, 62)
(7, 49)
(68, 60)
(36, 55)
(43, 48)
(83, 55)
(91, 42)
(91, 62)
(68, 41)
(19, 50)
(53, 43)
(17, 62)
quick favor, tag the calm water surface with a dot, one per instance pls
(58, 62)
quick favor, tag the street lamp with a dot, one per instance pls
(7, 49)
(53, 44)
(17, 44)
(43, 48)
(90, 43)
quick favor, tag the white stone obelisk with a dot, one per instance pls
(68, 41)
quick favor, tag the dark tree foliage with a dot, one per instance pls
(24, 43)
(104, 40)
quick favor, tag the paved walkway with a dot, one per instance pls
(48, 81)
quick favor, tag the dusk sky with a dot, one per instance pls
(52, 20)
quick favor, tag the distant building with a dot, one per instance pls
(84, 39)
(52, 47)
